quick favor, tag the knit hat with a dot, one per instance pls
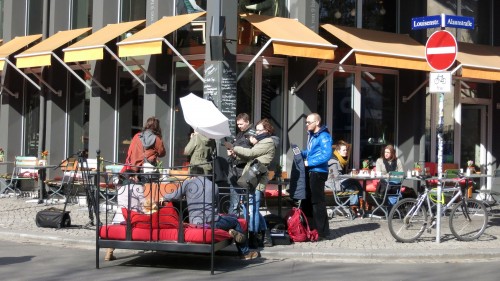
(251, 133)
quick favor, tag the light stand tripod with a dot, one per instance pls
(88, 186)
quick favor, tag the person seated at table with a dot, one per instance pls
(388, 162)
(197, 190)
(338, 165)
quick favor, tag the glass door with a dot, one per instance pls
(473, 136)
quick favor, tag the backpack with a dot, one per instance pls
(298, 227)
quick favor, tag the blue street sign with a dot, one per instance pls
(459, 22)
(426, 22)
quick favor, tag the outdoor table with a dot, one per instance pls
(363, 178)
(280, 182)
(41, 178)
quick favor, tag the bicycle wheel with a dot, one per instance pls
(468, 220)
(406, 222)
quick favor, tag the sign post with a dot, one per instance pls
(440, 53)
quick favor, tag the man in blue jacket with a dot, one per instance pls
(316, 156)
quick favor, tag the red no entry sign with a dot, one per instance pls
(441, 50)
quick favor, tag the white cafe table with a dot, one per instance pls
(41, 178)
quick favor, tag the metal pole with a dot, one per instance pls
(440, 167)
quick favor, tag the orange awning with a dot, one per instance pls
(15, 45)
(40, 54)
(149, 40)
(292, 38)
(91, 47)
(379, 48)
(479, 61)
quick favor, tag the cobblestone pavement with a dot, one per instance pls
(367, 240)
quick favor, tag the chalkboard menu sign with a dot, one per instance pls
(220, 85)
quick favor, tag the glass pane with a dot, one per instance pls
(475, 90)
(133, 10)
(471, 135)
(337, 12)
(190, 6)
(82, 14)
(1, 18)
(246, 89)
(321, 96)
(78, 112)
(379, 15)
(273, 8)
(185, 82)
(130, 112)
(448, 129)
(342, 109)
(378, 113)
(35, 17)
(272, 104)
(32, 115)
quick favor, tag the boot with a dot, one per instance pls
(354, 211)
(252, 241)
(109, 255)
(268, 241)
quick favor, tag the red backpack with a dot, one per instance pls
(298, 227)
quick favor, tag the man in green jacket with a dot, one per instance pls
(200, 149)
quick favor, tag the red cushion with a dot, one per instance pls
(371, 185)
(167, 216)
(272, 193)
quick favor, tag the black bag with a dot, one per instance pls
(53, 217)
(250, 179)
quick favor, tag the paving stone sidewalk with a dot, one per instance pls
(367, 240)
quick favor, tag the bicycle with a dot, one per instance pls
(409, 217)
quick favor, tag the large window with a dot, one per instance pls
(78, 111)
(32, 120)
(186, 82)
(130, 112)
(378, 114)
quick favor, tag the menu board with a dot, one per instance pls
(220, 85)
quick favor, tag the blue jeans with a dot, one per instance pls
(234, 201)
(256, 221)
(230, 222)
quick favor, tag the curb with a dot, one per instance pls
(318, 255)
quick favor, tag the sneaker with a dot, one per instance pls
(237, 236)
(250, 256)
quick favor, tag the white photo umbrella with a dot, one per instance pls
(204, 117)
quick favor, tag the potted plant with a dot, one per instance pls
(470, 166)
(417, 169)
(365, 166)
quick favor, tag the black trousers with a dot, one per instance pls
(315, 204)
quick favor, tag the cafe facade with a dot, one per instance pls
(86, 74)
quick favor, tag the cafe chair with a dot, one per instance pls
(492, 195)
(23, 178)
(387, 194)
(60, 187)
(342, 203)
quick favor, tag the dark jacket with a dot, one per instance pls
(297, 176)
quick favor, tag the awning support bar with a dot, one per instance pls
(254, 59)
(146, 73)
(108, 90)
(24, 75)
(125, 66)
(309, 76)
(58, 93)
(3, 88)
(183, 59)
(407, 98)
(346, 56)
(330, 72)
(456, 69)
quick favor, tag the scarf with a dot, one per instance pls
(390, 167)
(262, 136)
(342, 161)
